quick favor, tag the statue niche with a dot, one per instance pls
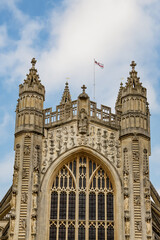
(83, 122)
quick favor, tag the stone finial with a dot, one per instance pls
(83, 94)
(133, 64)
(66, 98)
(33, 63)
(133, 80)
(84, 88)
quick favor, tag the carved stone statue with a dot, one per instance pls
(26, 150)
(24, 197)
(23, 224)
(148, 227)
(127, 227)
(33, 225)
(24, 173)
(126, 203)
(139, 226)
(83, 122)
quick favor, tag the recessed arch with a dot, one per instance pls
(50, 177)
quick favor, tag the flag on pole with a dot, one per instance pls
(99, 64)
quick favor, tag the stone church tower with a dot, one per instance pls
(80, 172)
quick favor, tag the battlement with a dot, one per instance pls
(64, 114)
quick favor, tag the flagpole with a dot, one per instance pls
(94, 81)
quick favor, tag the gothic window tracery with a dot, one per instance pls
(82, 202)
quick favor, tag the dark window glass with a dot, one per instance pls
(71, 233)
(94, 166)
(94, 182)
(70, 165)
(80, 170)
(74, 168)
(107, 182)
(102, 182)
(90, 168)
(84, 170)
(110, 206)
(70, 181)
(84, 160)
(82, 205)
(99, 183)
(101, 206)
(101, 233)
(65, 182)
(81, 233)
(63, 201)
(92, 233)
(80, 182)
(53, 232)
(84, 182)
(110, 233)
(72, 199)
(54, 200)
(61, 182)
(92, 206)
(62, 232)
(57, 180)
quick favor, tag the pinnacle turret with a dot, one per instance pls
(32, 77)
(66, 98)
(133, 80)
(32, 83)
(119, 98)
(29, 109)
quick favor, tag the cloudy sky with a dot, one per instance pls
(65, 36)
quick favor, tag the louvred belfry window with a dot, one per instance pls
(82, 202)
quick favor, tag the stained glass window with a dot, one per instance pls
(92, 233)
(54, 198)
(110, 206)
(72, 199)
(92, 206)
(82, 202)
(110, 233)
(71, 232)
(62, 232)
(53, 232)
(81, 233)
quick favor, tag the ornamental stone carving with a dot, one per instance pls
(62, 139)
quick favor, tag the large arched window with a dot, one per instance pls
(82, 202)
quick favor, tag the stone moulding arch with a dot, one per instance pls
(46, 185)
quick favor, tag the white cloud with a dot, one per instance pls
(3, 36)
(4, 127)
(155, 166)
(113, 32)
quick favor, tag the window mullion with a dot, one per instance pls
(87, 198)
(58, 207)
(67, 207)
(77, 199)
(105, 199)
(96, 207)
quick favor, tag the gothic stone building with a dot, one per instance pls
(81, 173)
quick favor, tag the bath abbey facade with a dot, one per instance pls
(81, 173)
